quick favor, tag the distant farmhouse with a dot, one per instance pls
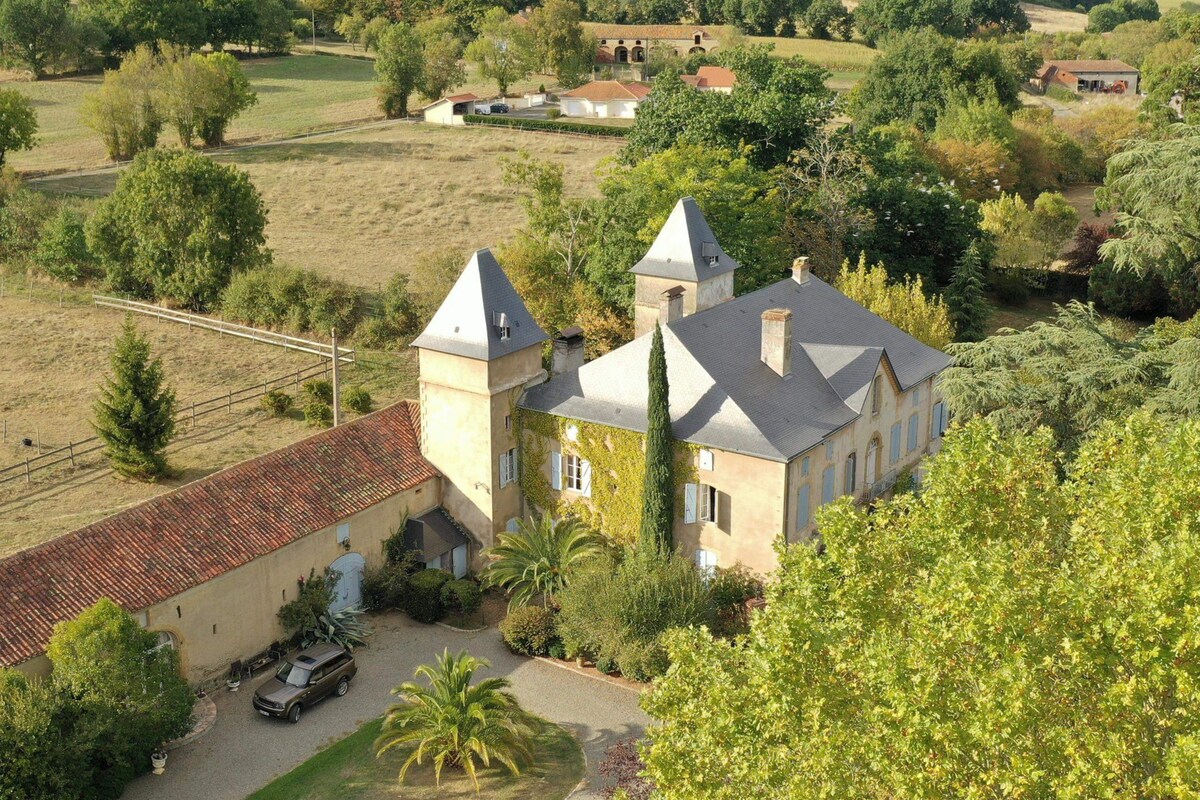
(631, 44)
(782, 400)
(711, 79)
(1085, 77)
(615, 99)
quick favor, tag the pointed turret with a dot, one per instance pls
(685, 255)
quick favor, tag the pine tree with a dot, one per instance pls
(658, 494)
(964, 296)
(135, 414)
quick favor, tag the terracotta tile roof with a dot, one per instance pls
(1086, 65)
(461, 98)
(182, 539)
(606, 31)
(716, 76)
(610, 90)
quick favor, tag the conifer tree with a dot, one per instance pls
(964, 296)
(658, 494)
(135, 414)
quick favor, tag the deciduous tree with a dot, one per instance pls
(501, 51)
(904, 304)
(442, 51)
(399, 65)
(125, 110)
(558, 43)
(35, 33)
(18, 123)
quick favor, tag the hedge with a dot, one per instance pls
(552, 125)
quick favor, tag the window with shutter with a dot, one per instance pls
(706, 460)
(556, 470)
(851, 481)
(803, 509)
(691, 493)
(914, 425)
(939, 421)
(896, 433)
(804, 466)
(585, 478)
(707, 503)
(827, 479)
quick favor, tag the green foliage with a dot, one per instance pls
(1072, 375)
(501, 52)
(1024, 236)
(18, 123)
(454, 722)
(296, 300)
(399, 64)
(312, 602)
(442, 56)
(826, 19)
(318, 414)
(357, 399)
(529, 630)
(1107, 16)
(964, 298)
(534, 124)
(539, 558)
(178, 227)
(905, 305)
(1004, 628)
(135, 413)
(385, 587)
(878, 18)
(201, 94)
(658, 492)
(396, 552)
(615, 610)
(277, 402)
(741, 203)
(130, 23)
(62, 251)
(319, 390)
(424, 600)
(1152, 294)
(44, 740)
(731, 587)
(776, 105)
(399, 316)
(130, 693)
(462, 597)
(345, 628)
(125, 111)
(35, 33)
(558, 43)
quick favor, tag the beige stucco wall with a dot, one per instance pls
(648, 291)
(466, 409)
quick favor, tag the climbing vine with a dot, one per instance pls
(618, 460)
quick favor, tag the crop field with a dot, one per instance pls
(1055, 20)
(837, 57)
(49, 383)
(362, 206)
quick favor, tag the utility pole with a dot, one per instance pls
(337, 356)
(314, 24)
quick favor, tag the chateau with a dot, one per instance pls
(781, 400)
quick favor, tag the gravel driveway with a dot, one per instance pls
(244, 750)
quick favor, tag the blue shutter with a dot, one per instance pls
(939, 420)
(690, 492)
(556, 470)
(827, 479)
(585, 477)
(803, 511)
(913, 424)
(896, 443)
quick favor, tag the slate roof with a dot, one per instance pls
(681, 248)
(467, 322)
(434, 533)
(723, 396)
(599, 91)
(179, 540)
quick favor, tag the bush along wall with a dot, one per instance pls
(552, 125)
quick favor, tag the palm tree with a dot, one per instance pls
(454, 723)
(538, 557)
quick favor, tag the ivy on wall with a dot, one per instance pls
(618, 460)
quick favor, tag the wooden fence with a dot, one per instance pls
(184, 416)
(322, 349)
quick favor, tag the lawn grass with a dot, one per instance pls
(844, 57)
(349, 770)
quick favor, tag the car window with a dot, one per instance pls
(293, 675)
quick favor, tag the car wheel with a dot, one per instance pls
(343, 686)
(294, 714)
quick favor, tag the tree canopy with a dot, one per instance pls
(902, 303)
(1005, 632)
(18, 123)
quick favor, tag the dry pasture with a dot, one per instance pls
(1044, 19)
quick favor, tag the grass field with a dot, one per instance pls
(844, 57)
(348, 770)
(50, 381)
(363, 206)
(1055, 20)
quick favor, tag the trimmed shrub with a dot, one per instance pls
(642, 660)
(731, 587)
(529, 630)
(385, 587)
(398, 317)
(318, 415)
(277, 403)
(424, 600)
(551, 125)
(357, 399)
(462, 597)
(319, 390)
(293, 299)
(62, 252)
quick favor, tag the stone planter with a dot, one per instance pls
(233, 684)
(158, 760)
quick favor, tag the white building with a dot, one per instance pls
(450, 110)
(617, 99)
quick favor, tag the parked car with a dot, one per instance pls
(499, 108)
(483, 109)
(304, 679)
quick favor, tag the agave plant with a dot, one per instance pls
(538, 557)
(454, 723)
(345, 628)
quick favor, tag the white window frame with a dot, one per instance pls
(708, 505)
(706, 562)
(508, 467)
(577, 474)
(556, 470)
(706, 460)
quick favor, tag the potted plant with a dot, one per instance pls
(232, 683)
(158, 760)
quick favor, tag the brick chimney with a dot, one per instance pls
(777, 340)
(567, 351)
(801, 271)
(670, 305)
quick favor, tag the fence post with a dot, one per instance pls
(27, 469)
(193, 415)
(229, 402)
(71, 452)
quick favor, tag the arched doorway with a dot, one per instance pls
(622, 55)
(696, 50)
(348, 590)
(639, 55)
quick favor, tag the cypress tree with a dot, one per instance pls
(658, 494)
(135, 414)
(964, 296)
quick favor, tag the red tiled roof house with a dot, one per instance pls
(604, 99)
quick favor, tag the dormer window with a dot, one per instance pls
(710, 253)
(696, 38)
(501, 323)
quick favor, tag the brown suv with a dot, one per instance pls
(306, 678)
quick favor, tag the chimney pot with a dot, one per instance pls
(800, 270)
(567, 350)
(777, 340)
(670, 305)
